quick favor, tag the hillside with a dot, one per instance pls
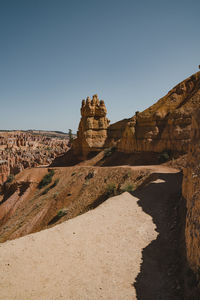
(112, 252)
(146, 156)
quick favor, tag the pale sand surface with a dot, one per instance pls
(93, 256)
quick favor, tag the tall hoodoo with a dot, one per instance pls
(92, 130)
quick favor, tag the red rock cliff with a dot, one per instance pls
(166, 125)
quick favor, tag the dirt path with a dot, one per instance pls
(98, 255)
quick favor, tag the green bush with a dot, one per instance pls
(46, 179)
(128, 188)
(55, 183)
(50, 187)
(62, 212)
(89, 175)
(111, 189)
(164, 157)
(10, 178)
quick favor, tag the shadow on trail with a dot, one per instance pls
(159, 277)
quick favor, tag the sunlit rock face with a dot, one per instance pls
(92, 131)
(166, 125)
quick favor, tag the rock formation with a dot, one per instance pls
(92, 131)
(191, 192)
(166, 125)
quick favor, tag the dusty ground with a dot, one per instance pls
(97, 255)
(26, 209)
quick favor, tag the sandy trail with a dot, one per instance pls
(93, 256)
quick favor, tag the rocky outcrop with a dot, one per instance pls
(191, 192)
(166, 125)
(92, 131)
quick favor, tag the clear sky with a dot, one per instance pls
(54, 53)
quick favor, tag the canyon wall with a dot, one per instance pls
(166, 125)
(191, 192)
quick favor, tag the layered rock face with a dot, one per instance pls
(92, 131)
(166, 125)
(191, 192)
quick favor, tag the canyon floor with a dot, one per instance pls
(126, 248)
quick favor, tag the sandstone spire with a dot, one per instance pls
(92, 130)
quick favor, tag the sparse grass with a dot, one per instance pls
(111, 189)
(46, 179)
(128, 188)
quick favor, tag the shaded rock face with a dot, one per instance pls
(191, 192)
(115, 133)
(92, 131)
(166, 125)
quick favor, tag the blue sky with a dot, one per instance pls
(54, 53)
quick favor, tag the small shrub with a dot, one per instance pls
(89, 175)
(46, 179)
(73, 173)
(127, 175)
(55, 183)
(128, 188)
(164, 157)
(109, 151)
(10, 178)
(62, 212)
(111, 189)
(46, 191)
(50, 187)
